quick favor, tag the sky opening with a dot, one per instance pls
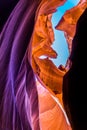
(60, 44)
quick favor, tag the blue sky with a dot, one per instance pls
(60, 44)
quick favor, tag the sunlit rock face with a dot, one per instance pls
(43, 38)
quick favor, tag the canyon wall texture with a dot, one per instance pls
(26, 35)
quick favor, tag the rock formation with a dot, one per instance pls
(43, 38)
(26, 36)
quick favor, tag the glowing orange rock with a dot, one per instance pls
(43, 38)
(50, 74)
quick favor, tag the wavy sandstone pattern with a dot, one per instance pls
(26, 36)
